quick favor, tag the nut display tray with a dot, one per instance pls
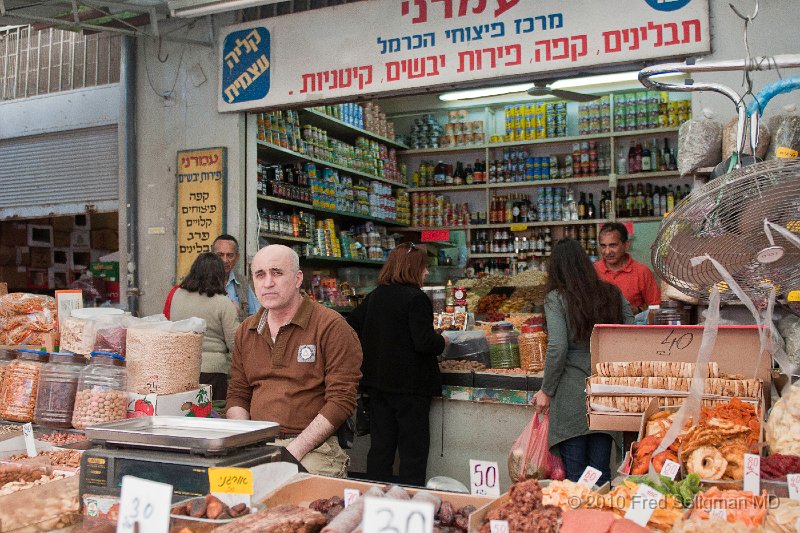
(179, 433)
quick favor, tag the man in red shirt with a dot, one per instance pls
(616, 266)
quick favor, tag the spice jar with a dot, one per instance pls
(58, 384)
(532, 348)
(101, 395)
(6, 357)
(20, 383)
(503, 346)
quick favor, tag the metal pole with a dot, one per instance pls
(127, 164)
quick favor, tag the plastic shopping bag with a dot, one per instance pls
(530, 456)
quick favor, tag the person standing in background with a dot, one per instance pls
(616, 266)
(401, 373)
(576, 299)
(226, 247)
(201, 294)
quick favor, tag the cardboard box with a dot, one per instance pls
(736, 352)
(40, 235)
(16, 277)
(196, 403)
(39, 257)
(105, 239)
(13, 234)
(62, 239)
(105, 221)
(80, 239)
(305, 488)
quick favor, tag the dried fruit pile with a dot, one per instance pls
(524, 510)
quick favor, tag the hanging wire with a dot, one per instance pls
(167, 94)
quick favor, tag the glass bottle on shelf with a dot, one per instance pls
(622, 204)
(582, 207)
(632, 159)
(648, 199)
(609, 207)
(469, 175)
(670, 199)
(590, 209)
(622, 160)
(646, 156)
(655, 201)
(459, 176)
(657, 157)
(439, 174)
(640, 208)
(630, 202)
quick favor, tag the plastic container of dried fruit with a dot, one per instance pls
(50, 506)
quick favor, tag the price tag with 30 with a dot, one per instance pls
(752, 473)
(590, 476)
(483, 478)
(643, 503)
(144, 506)
(670, 469)
(397, 516)
(793, 480)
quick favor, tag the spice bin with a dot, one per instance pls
(532, 348)
(20, 383)
(503, 346)
(101, 395)
(6, 357)
(58, 384)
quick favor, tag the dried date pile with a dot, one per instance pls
(524, 511)
(210, 506)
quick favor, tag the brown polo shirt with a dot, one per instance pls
(312, 368)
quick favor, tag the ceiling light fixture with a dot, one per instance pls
(587, 81)
(199, 8)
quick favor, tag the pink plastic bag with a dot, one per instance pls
(530, 456)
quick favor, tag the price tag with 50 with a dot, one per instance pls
(483, 478)
(397, 516)
(144, 505)
(498, 526)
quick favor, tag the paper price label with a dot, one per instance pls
(30, 441)
(670, 469)
(498, 526)
(230, 480)
(382, 515)
(144, 505)
(590, 476)
(518, 227)
(718, 512)
(483, 478)
(793, 480)
(350, 495)
(752, 473)
(643, 503)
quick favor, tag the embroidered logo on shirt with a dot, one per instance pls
(307, 353)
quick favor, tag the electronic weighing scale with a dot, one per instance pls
(174, 450)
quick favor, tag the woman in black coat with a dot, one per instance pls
(400, 370)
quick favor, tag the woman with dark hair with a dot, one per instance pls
(576, 300)
(400, 370)
(202, 294)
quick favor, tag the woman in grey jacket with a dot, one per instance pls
(202, 294)
(576, 300)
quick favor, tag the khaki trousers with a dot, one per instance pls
(328, 459)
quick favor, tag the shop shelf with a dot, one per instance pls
(509, 224)
(648, 175)
(286, 238)
(344, 131)
(284, 201)
(291, 154)
(513, 184)
(319, 210)
(551, 140)
(321, 259)
(640, 219)
(642, 133)
(505, 254)
(425, 151)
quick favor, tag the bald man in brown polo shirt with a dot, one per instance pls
(297, 363)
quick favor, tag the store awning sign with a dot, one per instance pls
(386, 47)
(200, 203)
(245, 70)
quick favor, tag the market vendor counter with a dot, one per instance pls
(479, 417)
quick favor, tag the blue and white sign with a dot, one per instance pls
(245, 69)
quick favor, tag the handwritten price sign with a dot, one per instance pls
(718, 512)
(794, 486)
(144, 505)
(670, 469)
(230, 480)
(30, 443)
(350, 495)
(483, 478)
(643, 503)
(382, 515)
(498, 526)
(752, 473)
(590, 476)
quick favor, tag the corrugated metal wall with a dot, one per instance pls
(59, 173)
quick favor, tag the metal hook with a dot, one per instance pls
(744, 17)
(159, 52)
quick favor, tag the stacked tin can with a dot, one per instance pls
(403, 206)
(595, 117)
(549, 203)
(381, 202)
(325, 242)
(425, 133)
(528, 122)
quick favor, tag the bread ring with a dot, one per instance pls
(707, 462)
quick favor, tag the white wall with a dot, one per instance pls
(188, 119)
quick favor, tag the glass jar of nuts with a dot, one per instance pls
(20, 383)
(101, 395)
(58, 384)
